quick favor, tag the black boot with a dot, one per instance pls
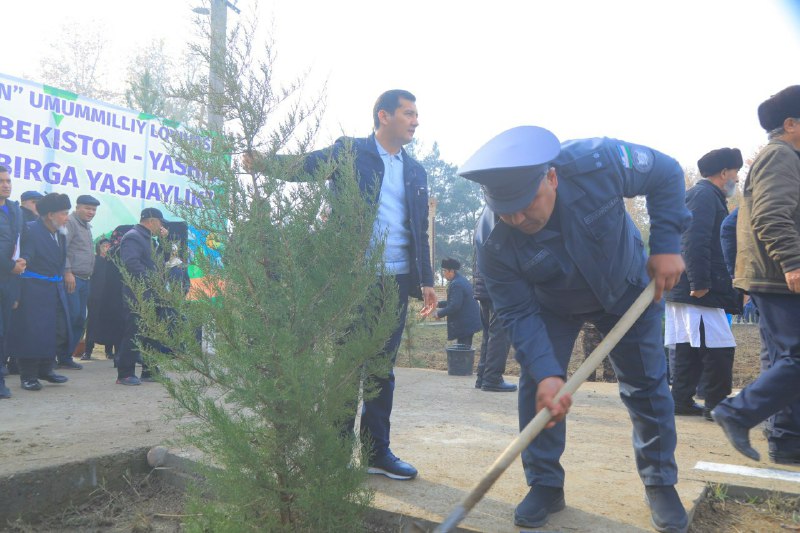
(666, 510)
(538, 504)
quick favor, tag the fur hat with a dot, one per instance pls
(718, 160)
(777, 108)
(53, 203)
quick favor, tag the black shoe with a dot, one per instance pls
(4, 392)
(478, 383)
(86, 357)
(540, 502)
(667, 514)
(69, 365)
(707, 414)
(788, 457)
(31, 384)
(502, 386)
(392, 467)
(689, 410)
(736, 433)
(13, 369)
(52, 377)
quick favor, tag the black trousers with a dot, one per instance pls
(465, 341)
(494, 346)
(714, 364)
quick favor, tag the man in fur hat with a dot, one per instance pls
(41, 323)
(696, 323)
(768, 268)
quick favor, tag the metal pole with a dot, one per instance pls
(219, 21)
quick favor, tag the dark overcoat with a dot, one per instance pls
(701, 248)
(461, 309)
(33, 335)
(110, 323)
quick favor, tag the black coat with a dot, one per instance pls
(97, 292)
(28, 215)
(702, 252)
(33, 335)
(10, 228)
(479, 289)
(461, 309)
(110, 323)
(136, 255)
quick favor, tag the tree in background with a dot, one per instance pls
(292, 311)
(459, 203)
(78, 62)
(151, 81)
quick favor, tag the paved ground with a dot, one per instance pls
(449, 430)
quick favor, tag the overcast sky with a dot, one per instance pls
(683, 76)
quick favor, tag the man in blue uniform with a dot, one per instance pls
(557, 249)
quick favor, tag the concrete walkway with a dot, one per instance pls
(449, 430)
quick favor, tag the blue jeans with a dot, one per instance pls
(775, 391)
(76, 304)
(638, 360)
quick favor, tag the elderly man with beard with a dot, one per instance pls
(41, 323)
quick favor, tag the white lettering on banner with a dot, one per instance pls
(67, 141)
(57, 141)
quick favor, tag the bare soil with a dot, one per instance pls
(720, 513)
(423, 346)
(149, 505)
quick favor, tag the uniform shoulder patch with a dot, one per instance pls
(636, 157)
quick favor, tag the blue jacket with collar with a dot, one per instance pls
(370, 171)
(596, 235)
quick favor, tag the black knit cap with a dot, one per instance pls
(450, 264)
(53, 203)
(777, 108)
(718, 160)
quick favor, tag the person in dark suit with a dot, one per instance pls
(137, 250)
(97, 292)
(41, 322)
(460, 308)
(495, 343)
(10, 267)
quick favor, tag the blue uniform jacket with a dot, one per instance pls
(702, 251)
(461, 309)
(597, 236)
(33, 334)
(370, 170)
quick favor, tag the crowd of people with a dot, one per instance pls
(62, 292)
(555, 251)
